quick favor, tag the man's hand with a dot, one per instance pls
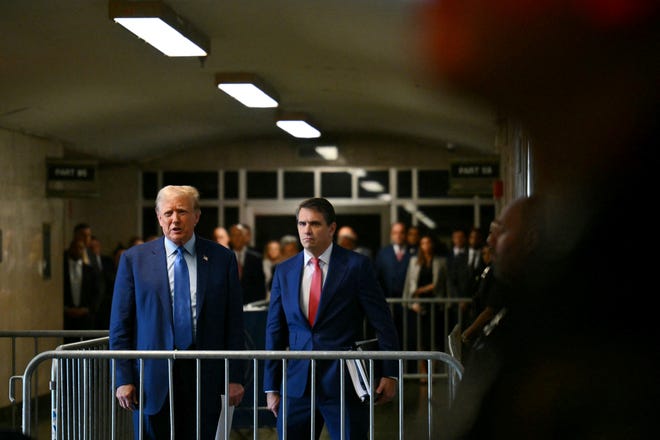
(127, 396)
(236, 392)
(273, 402)
(386, 390)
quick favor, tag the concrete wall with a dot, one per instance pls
(27, 300)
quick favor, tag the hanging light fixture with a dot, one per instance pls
(247, 88)
(297, 125)
(159, 25)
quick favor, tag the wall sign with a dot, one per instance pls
(71, 178)
(473, 177)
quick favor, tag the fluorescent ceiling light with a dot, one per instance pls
(298, 128)
(246, 88)
(157, 24)
(372, 186)
(327, 152)
(249, 95)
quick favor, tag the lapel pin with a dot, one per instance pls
(205, 258)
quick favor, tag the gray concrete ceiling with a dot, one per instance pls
(69, 73)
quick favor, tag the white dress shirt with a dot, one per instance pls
(75, 278)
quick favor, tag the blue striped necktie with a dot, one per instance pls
(183, 330)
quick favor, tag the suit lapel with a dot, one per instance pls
(336, 273)
(159, 268)
(202, 272)
(291, 296)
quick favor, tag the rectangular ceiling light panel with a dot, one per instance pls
(248, 94)
(160, 26)
(299, 129)
(327, 152)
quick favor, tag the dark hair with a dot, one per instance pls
(80, 227)
(320, 205)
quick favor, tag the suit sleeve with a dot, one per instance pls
(440, 277)
(378, 314)
(234, 327)
(277, 336)
(122, 320)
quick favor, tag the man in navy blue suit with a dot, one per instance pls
(250, 265)
(142, 319)
(349, 293)
(391, 266)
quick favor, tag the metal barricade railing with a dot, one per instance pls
(82, 389)
(38, 337)
(441, 312)
(92, 360)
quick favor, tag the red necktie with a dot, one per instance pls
(315, 290)
(399, 254)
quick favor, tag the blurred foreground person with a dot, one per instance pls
(581, 77)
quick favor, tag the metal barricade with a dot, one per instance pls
(82, 385)
(82, 389)
(442, 314)
(38, 337)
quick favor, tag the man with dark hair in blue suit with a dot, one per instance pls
(250, 264)
(349, 294)
(391, 266)
(179, 292)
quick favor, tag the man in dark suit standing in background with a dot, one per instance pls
(250, 265)
(179, 292)
(80, 289)
(391, 265)
(319, 300)
(105, 273)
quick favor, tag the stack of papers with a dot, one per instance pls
(357, 369)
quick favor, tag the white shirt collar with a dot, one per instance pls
(170, 247)
(324, 257)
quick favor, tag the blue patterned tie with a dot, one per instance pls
(183, 332)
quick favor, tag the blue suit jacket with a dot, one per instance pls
(141, 317)
(391, 273)
(350, 293)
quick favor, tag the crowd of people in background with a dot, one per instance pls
(443, 269)
(89, 278)
(416, 263)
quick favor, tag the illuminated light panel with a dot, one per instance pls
(327, 152)
(372, 186)
(298, 128)
(248, 94)
(162, 36)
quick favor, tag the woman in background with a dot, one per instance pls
(426, 277)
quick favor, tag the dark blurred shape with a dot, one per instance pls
(581, 78)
